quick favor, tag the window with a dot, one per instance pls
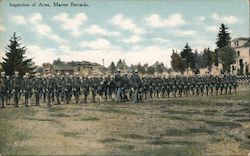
(237, 43)
(238, 53)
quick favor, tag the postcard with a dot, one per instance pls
(127, 77)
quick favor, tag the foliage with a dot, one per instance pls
(207, 59)
(227, 56)
(15, 59)
(112, 67)
(177, 63)
(188, 56)
(223, 37)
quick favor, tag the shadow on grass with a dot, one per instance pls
(74, 134)
(186, 132)
(134, 136)
(126, 147)
(189, 150)
(88, 118)
(38, 119)
(110, 140)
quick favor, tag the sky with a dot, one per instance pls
(142, 31)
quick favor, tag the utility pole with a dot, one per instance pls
(103, 62)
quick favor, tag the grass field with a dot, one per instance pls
(190, 126)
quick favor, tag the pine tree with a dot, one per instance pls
(223, 37)
(223, 40)
(188, 56)
(15, 59)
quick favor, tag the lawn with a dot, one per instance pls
(208, 125)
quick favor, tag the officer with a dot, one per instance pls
(16, 88)
(38, 88)
(136, 84)
(27, 89)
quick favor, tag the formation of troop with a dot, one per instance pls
(66, 89)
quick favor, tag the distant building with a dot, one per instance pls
(63, 69)
(47, 68)
(84, 68)
(242, 48)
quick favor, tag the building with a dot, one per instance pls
(84, 68)
(242, 48)
(63, 69)
(47, 68)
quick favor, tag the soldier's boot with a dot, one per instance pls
(93, 98)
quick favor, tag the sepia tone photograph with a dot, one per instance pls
(127, 77)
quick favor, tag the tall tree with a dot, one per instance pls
(15, 59)
(177, 63)
(188, 56)
(223, 40)
(112, 67)
(223, 37)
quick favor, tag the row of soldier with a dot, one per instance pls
(60, 89)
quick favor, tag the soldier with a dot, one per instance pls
(45, 89)
(38, 88)
(68, 88)
(136, 84)
(27, 89)
(93, 87)
(3, 88)
(16, 88)
(77, 87)
(8, 90)
(118, 86)
(50, 89)
(85, 88)
(59, 88)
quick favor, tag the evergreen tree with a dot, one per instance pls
(15, 59)
(223, 37)
(188, 56)
(112, 67)
(119, 64)
(57, 62)
(223, 40)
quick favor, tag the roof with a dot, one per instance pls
(247, 44)
(62, 67)
(241, 38)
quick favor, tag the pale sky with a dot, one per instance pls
(142, 31)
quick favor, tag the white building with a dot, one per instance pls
(242, 49)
